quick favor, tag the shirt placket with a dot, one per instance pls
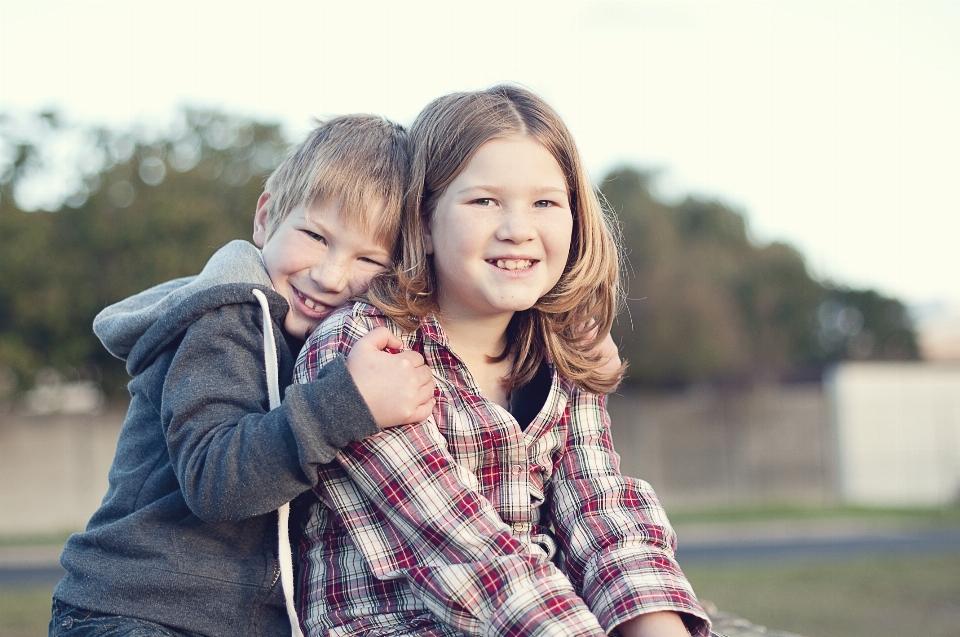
(515, 477)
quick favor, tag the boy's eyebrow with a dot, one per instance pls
(373, 248)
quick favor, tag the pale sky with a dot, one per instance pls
(831, 125)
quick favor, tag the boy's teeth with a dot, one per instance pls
(309, 303)
(514, 264)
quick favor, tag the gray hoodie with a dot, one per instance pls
(186, 534)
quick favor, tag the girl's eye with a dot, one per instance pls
(543, 203)
(483, 202)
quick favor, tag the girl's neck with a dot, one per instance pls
(475, 341)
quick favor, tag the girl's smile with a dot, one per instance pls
(500, 233)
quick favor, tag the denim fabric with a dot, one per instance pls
(70, 621)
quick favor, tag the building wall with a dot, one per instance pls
(53, 469)
(770, 445)
(698, 449)
(898, 432)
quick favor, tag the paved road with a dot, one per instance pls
(888, 543)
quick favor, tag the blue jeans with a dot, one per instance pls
(70, 621)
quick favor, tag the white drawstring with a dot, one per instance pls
(284, 552)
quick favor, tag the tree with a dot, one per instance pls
(155, 208)
(707, 304)
(134, 208)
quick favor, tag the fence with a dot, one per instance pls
(699, 449)
(707, 449)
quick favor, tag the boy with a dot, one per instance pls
(184, 542)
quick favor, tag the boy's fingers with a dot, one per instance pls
(381, 338)
(421, 413)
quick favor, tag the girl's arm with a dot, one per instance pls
(617, 543)
(410, 511)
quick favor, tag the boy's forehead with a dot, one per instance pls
(350, 211)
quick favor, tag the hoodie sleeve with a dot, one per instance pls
(234, 458)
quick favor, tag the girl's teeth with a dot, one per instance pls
(309, 303)
(514, 264)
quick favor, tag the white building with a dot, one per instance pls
(898, 432)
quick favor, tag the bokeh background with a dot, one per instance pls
(784, 175)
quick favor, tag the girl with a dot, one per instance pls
(505, 512)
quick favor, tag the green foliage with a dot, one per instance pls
(155, 209)
(706, 304)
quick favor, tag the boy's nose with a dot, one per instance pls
(331, 276)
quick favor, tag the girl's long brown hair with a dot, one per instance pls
(443, 138)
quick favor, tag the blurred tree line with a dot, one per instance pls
(89, 216)
(140, 207)
(708, 305)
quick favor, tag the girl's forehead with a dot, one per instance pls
(513, 158)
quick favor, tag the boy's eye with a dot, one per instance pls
(314, 236)
(373, 262)
(483, 201)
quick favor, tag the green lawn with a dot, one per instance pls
(862, 596)
(24, 612)
(875, 597)
(924, 517)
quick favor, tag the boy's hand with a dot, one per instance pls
(398, 388)
(607, 350)
(609, 355)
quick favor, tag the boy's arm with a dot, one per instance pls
(233, 457)
(618, 546)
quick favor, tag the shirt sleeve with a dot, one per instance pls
(410, 513)
(617, 545)
(235, 458)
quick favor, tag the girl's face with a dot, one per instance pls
(501, 231)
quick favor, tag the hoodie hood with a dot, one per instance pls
(121, 325)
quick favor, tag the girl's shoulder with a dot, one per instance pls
(359, 317)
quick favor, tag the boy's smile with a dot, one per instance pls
(316, 262)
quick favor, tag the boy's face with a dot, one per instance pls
(316, 262)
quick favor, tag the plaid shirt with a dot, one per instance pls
(466, 524)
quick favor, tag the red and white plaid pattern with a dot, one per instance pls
(467, 524)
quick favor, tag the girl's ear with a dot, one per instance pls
(260, 220)
(427, 238)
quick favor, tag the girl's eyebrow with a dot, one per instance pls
(485, 188)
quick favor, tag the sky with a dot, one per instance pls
(831, 125)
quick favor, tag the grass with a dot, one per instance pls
(875, 597)
(24, 612)
(929, 517)
(879, 596)
(36, 539)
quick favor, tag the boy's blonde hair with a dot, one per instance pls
(360, 160)
(443, 139)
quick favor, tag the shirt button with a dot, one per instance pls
(517, 527)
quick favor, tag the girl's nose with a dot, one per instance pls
(515, 226)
